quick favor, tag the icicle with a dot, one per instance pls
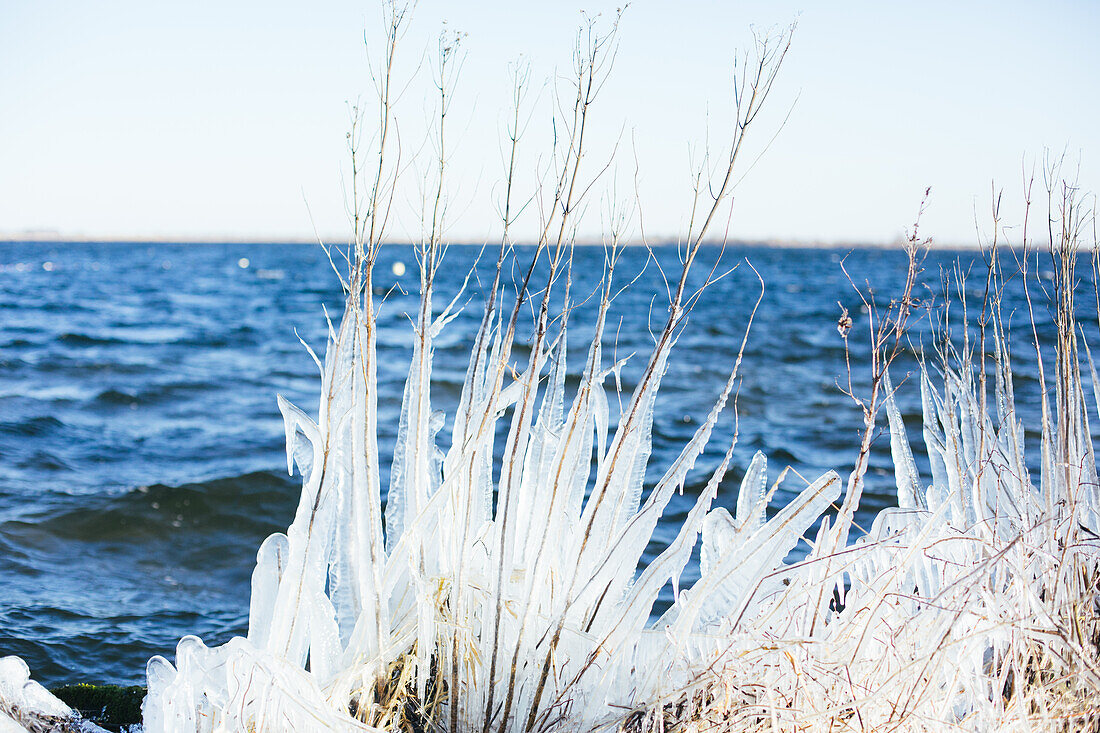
(910, 495)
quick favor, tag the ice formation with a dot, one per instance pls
(25, 705)
(526, 605)
(514, 605)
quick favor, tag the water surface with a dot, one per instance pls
(141, 449)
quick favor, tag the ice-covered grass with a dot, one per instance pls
(513, 604)
(973, 605)
(28, 707)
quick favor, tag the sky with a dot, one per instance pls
(210, 120)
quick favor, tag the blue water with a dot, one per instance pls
(141, 450)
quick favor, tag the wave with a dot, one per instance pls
(33, 426)
(152, 394)
(245, 505)
(83, 339)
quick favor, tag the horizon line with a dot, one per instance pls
(47, 238)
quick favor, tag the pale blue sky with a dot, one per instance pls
(207, 119)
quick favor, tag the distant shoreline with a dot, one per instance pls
(739, 244)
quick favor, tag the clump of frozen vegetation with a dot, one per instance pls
(975, 604)
(25, 705)
(475, 603)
